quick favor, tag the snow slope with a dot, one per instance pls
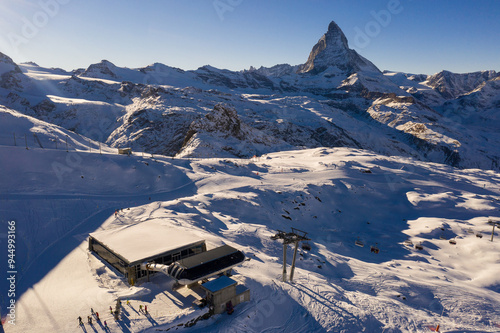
(336, 195)
(17, 129)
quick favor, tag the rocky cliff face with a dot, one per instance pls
(222, 119)
(332, 53)
(10, 74)
(222, 132)
(7, 65)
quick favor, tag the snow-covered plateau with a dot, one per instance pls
(359, 159)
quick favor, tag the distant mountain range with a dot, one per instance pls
(336, 98)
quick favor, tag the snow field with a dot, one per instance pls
(336, 195)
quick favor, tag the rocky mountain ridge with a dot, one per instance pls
(336, 98)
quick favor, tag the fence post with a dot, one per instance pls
(284, 260)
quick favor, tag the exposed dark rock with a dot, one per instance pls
(332, 50)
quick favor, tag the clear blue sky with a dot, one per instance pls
(419, 36)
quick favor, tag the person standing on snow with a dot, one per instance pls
(80, 320)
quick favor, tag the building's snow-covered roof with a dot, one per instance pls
(219, 284)
(208, 256)
(145, 240)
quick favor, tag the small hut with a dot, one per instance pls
(125, 151)
(224, 293)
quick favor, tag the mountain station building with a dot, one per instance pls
(126, 248)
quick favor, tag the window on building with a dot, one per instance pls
(167, 259)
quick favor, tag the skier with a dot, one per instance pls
(110, 309)
(80, 320)
(146, 309)
(91, 310)
(90, 320)
(128, 303)
(105, 325)
(140, 308)
(97, 315)
(116, 212)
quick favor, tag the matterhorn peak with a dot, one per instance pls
(335, 36)
(332, 50)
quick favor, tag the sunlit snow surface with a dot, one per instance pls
(337, 195)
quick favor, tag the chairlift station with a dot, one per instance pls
(140, 250)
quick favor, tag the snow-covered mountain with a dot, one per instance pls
(221, 131)
(336, 98)
(29, 132)
(11, 77)
(332, 53)
(360, 159)
(7, 66)
(452, 86)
